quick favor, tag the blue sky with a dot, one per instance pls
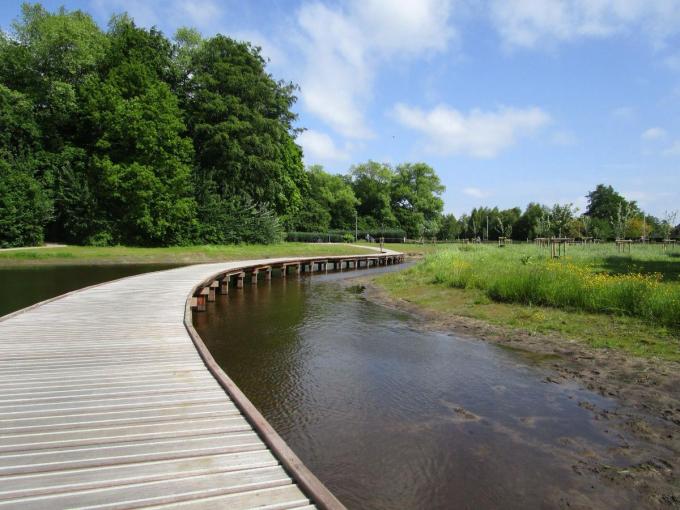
(511, 101)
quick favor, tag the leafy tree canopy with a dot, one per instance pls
(604, 202)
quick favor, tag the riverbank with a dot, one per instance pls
(619, 357)
(86, 255)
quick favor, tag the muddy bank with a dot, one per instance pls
(647, 392)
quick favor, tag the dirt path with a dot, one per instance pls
(647, 392)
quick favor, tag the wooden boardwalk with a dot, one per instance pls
(109, 400)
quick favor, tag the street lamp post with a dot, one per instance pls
(356, 226)
(382, 237)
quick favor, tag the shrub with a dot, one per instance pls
(24, 208)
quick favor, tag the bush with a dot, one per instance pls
(315, 237)
(24, 208)
(344, 236)
(233, 222)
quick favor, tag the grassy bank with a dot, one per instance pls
(594, 293)
(173, 255)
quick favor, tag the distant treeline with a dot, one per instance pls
(405, 203)
(608, 216)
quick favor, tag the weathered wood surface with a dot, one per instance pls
(108, 400)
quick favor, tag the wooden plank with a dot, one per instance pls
(31, 485)
(60, 459)
(164, 491)
(280, 498)
(27, 441)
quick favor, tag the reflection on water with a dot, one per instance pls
(390, 417)
(24, 286)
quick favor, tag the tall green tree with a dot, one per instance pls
(371, 182)
(450, 228)
(139, 153)
(25, 207)
(604, 202)
(526, 226)
(329, 203)
(415, 195)
(48, 56)
(241, 123)
(561, 217)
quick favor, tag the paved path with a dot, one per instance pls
(34, 247)
(108, 400)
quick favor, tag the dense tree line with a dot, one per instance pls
(374, 197)
(124, 136)
(608, 216)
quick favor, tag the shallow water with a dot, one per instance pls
(23, 286)
(392, 417)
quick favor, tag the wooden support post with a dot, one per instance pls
(224, 285)
(284, 270)
(212, 289)
(239, 280)
(253, 277)
(201, 299)
(269, 274)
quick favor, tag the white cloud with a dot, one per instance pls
(655, 133)
(476, 192)
(319, 146)
(342, 49)
(478, 134)
(564, 138)
(535, 23)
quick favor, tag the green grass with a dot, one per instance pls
(179, 255)
(593, 294)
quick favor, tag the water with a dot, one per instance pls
(391, 417)
(23, 286)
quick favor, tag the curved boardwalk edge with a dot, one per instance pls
(104, 401)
